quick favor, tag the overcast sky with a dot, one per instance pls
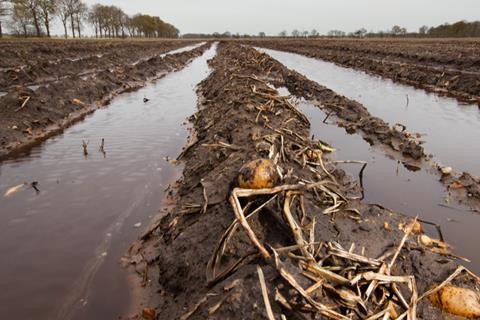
(273, 16)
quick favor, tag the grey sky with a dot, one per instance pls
(273, 16)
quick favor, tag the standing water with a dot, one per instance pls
(90, 208)
(389, 183)
(451, 129)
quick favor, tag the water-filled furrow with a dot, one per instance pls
(449, 129)
(63, 243)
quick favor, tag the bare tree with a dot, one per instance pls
(63, 12)
(47, 10)
(423, 30)
(314, 33)
(94, 18)
(397, 30)
(360, 32)
(283, 34)
(81, 13)
(21, 19)
(295, 33)
(33, 8)
(72, 7)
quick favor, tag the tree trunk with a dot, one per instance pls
(47, 24)
(96, 32)
(79, 27)
(1, 31)
(72, 22)
(25, 30)
(65, 28)
(35, 22)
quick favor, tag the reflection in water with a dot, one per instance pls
(451, 129)
(389, 183)
(54, 242)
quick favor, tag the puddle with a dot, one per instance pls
(389, 183)
(60, 247)
(452, 130)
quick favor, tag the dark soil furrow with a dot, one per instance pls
(462, 83)
(241, 118)
(28, 116)
(39, 71)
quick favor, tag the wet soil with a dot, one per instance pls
(428, 115)
(444, 67)
(28, 116)
(241, 118)
(394, 140)
(27, 61)
(421, 193)
(61, 246)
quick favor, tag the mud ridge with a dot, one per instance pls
(394, 141)
(29, 116)
(242, 118)
(459, 83)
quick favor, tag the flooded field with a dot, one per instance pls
(432, 116)
(387, 181)
(90, 208)
(262, 209)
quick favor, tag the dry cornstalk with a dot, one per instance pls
(263, 286)
(26, 99)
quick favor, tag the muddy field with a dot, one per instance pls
(299, 232)
(448, 67)
(264, 221)
(67, 80)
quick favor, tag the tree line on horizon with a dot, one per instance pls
(457, 29)
(35, 17)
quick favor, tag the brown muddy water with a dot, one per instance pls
(389, 183)
(61, 246)
(451, 130)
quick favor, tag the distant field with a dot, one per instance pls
(446, 66)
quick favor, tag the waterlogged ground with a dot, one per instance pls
(61, 246)
(388, 182)
(71, 216)
(450, 129)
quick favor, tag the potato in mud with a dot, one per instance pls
(258, 174)
(458, 301)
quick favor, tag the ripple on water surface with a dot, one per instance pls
(55, 241)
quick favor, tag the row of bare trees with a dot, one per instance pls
(35, 17)
(111, 21)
